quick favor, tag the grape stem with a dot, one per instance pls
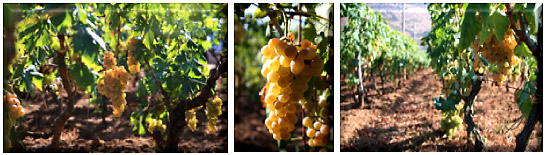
(522, 34)
(299, 25)
(117, 32)
(272, 16)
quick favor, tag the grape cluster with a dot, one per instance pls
(288, 68)
(191, 119)
(452, 120)
(112, 85)
(501, 53)
(14, 107)
(448, 82)
(317, 132)
(213, 110)
(132, 63)
(156, 125)
(12, 111)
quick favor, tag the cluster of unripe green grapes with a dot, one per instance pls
(501, 53)
(288, 68)
(12, 111)
(156, 125)
(213, 110)
(113, 83)
(318, 130)
(452, 120)
(132, 63)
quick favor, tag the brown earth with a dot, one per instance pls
(405, 119)
(86, 132)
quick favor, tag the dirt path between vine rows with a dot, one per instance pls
(405, 119)
(85, 131)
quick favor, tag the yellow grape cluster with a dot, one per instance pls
(12, 111)
(156, 125)
(112, 85)
(501, 53)
(132, 63)
(452, 120)
(288, 68)
(213, 110)
(14, 107)
(191, 120)
(317, 132)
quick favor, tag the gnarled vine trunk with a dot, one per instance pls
(61, 120)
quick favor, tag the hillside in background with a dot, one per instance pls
(418, 22)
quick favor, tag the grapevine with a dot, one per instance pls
(490, 46)
(92, 51)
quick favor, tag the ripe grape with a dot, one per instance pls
(310, 132)
(285, 61)
(291, 51)
(291, 36)
(266, 51)
(307, 53)
(305, 43)
(280, 47)
(307, 122)
(296, 66)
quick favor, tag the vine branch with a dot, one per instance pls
(61, 120)
(272, 16)
(522, 34)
